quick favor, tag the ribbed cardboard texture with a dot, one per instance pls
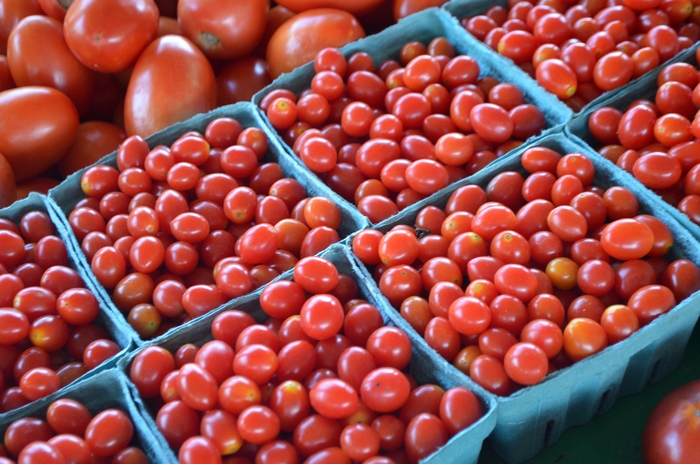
(644, 88)
(118, 330)
(105, 390)
(463, 448)
(534, 417)
(470, 8)
(425, 26)
(68, 193)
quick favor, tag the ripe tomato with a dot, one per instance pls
(170, 65)
(66, 416)
(12, 12)
(51, 63)
(299, 39)
(199, 450)
(403, 8)
(360, 7)
(37, 127)
(149, 368)
(94, 140)
(627, 239)
(109, 36)
(223, 30)
(241, 79)
(177, 422)
(385, 389)
(557, 77)
(672, 432)
(197, 387)
(333, 398)
(109, 432)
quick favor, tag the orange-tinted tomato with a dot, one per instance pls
(299, 39)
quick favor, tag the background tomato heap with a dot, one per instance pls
(555, 270)
(321, 379)
(578, 50)
(70, 433)
(79, 76)
(657, 140)
(48, 335)
(386, 136)
(174, 232)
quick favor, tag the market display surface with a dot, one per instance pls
(381, 232)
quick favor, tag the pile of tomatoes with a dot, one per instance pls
(79, 76)
(70, 433)
(530, 274)
(174, 232)
(387, 135)
(322, 379)
(578, 50)
(48, 335)
(657, 140)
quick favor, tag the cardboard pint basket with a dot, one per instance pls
(69, 192)
(463, 448)
(106, 390)
(116, 328)
(534, 417)
(425, 26)
(644, 88)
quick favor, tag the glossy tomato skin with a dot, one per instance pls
(223, 30)
(94, 140)
(171, 81)
(299, 39)
(37, 54)
(672, 432)
(240, 79)
(12, 12)
(37, 127)
(403, 8)
(359, 7)
(109, 36)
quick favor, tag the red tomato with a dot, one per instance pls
(37, 54)
(109, 432)
(37, 127)
(94, 140)
(197, 450)
(241, 79)
(170, 65)
(403, 8)
(359, 7)
(672, 432)
(12, 12)
(299, 39)
(109, 36)
(223, 30)
(54, 8)
(149, 369)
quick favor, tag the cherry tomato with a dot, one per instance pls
(109, 432)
